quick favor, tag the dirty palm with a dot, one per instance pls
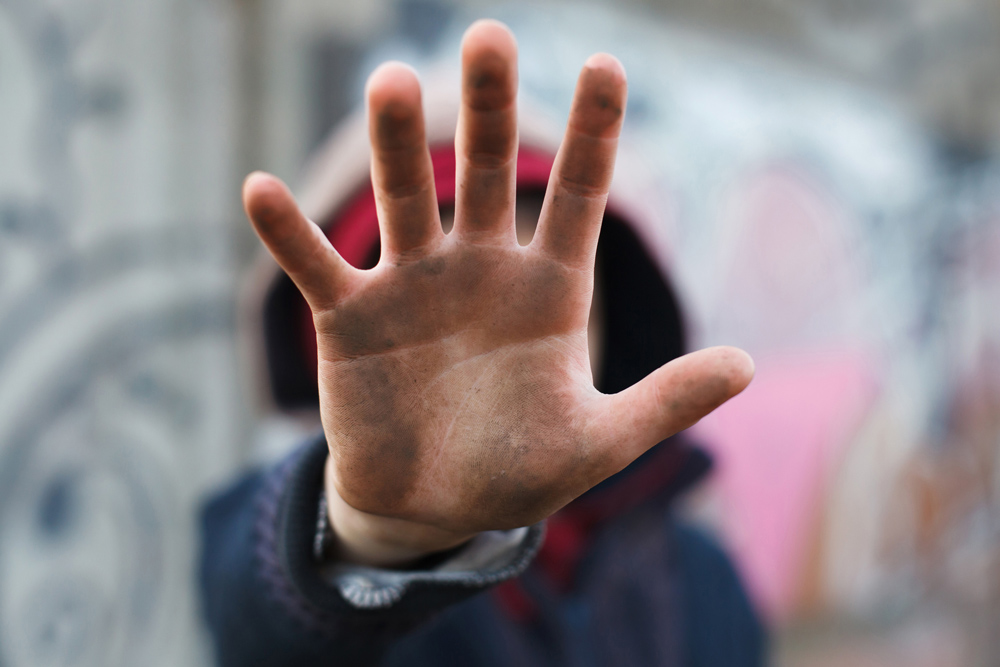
(456, 390)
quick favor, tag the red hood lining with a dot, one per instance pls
(353, 231)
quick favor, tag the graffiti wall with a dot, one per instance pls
(118, 398)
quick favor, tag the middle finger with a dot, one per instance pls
(486, 140)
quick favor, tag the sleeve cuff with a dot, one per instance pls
(489, 558)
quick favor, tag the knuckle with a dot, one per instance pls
(583, 188)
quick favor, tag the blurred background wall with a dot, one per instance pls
(827, 172)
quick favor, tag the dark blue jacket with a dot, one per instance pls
(639, 588)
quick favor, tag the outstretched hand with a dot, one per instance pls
(456, 392)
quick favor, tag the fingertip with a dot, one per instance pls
(738, 367)
(489, 66)
(394, 106)
(251, 181)
(601, 95)
(265, 198)
(608, 65)
(393, 82)
(259, 180)
(491, 35)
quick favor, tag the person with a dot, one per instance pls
(456, 390)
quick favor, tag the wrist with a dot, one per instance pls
(380, 541)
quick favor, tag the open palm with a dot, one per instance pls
(455, 385)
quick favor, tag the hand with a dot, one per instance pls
(456, 392)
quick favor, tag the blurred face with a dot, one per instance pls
(526, 217)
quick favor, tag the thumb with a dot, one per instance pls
(671, 399)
